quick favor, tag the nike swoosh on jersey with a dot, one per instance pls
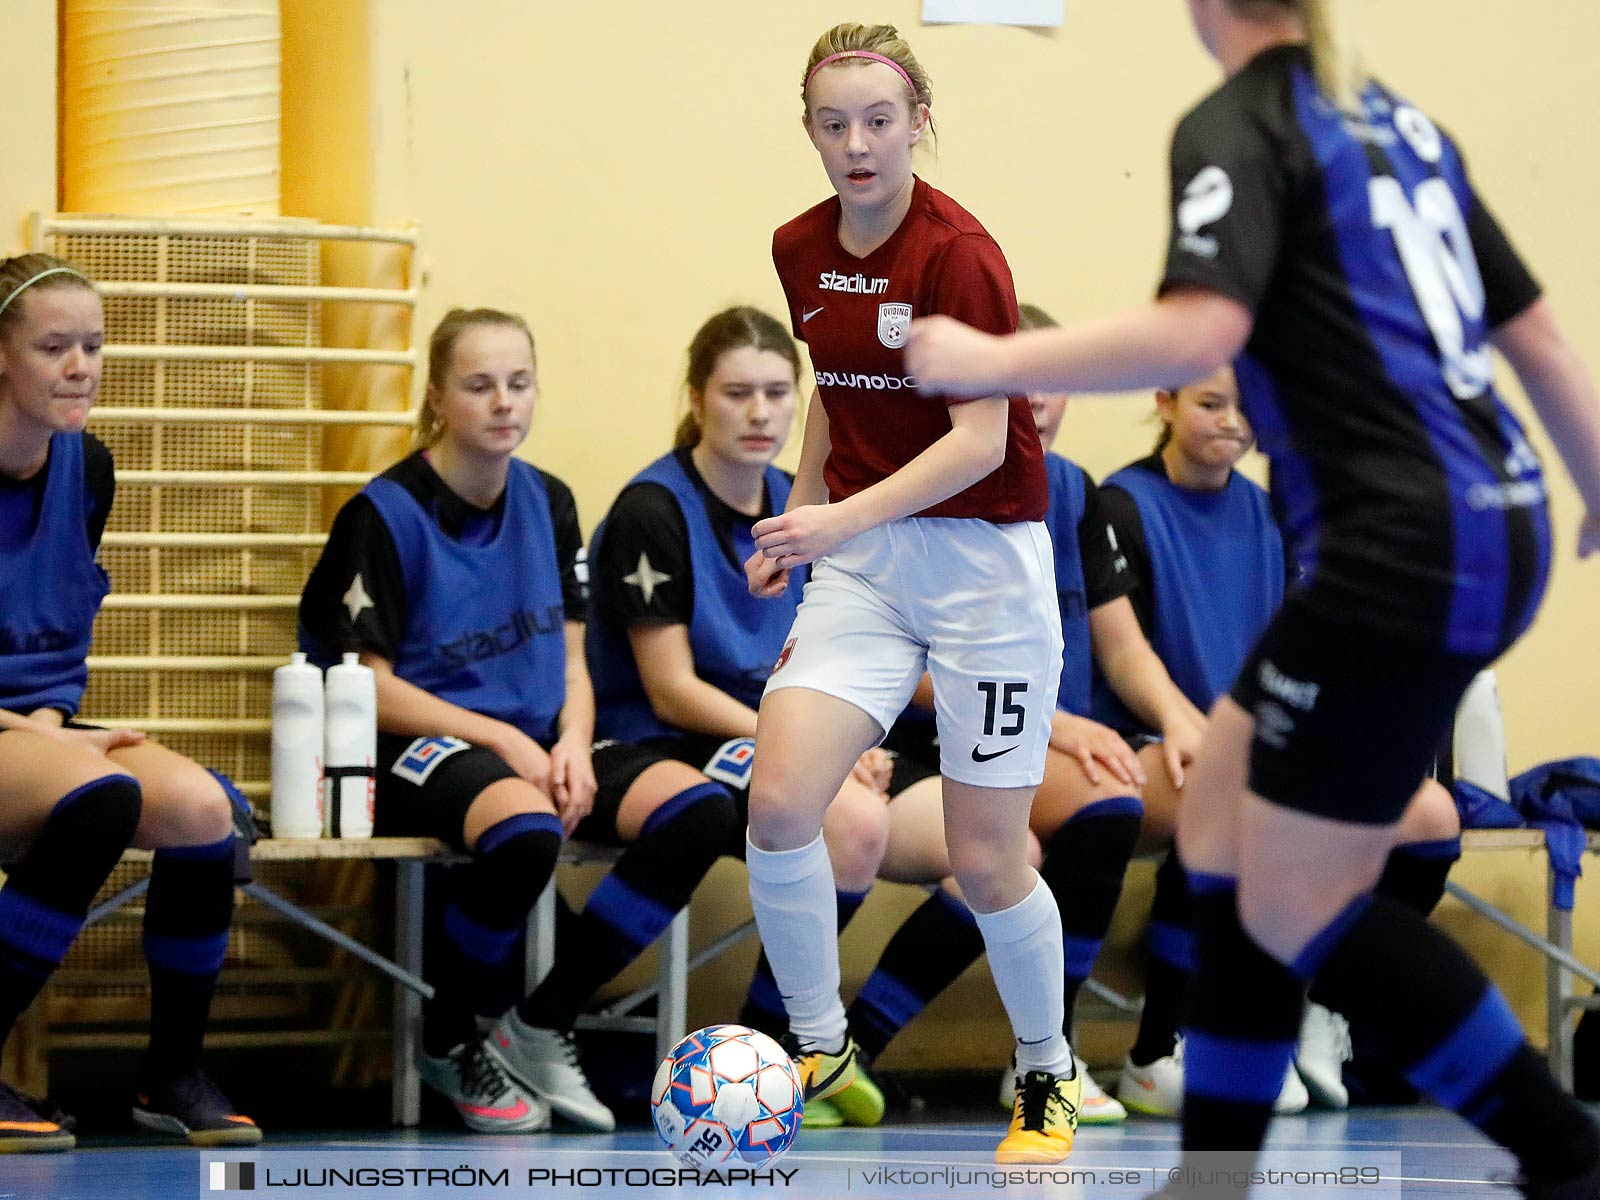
(804, 317)
(979, 757)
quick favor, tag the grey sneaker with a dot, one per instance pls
(488, 1101)
(545, 1061)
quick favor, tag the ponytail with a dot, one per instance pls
(1338, 67)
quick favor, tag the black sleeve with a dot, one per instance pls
(1228, 204)
(1509, 287)
(569, 547)
(1127, 527)
(355, 598)
(1105, 572)
(643, 573)
(99, 477)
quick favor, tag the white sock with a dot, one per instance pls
(796, 911)
(1026, 958)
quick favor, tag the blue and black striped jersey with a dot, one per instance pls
(1376, 277)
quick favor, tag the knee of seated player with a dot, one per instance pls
(184, 805)
(1066, 791)
(502, 799)
(36, 771)
(1431, 816)
(856, 830)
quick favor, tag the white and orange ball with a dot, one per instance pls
(726, 1094)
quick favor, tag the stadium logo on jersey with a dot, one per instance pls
(522, 628)
(1206, 201)
(893, 322)
(423, 755)
(732, 762)
(783, 655)
(872, 383)
(858, 284)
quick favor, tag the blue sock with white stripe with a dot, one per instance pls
(187, 912)
(763, 1004)
(927, 954)
(1083, 866)
(483, 920)
(1241, 1027)
(631, 906)
(1455, 1037)
(49, 889)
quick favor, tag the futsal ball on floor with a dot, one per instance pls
(726, 1094)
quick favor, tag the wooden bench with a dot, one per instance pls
(411, 857)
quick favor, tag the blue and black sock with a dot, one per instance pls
(187, 912)
(1455, 1037)
(1415, 876)
(1172, 957)
(1242, 1024)
(48, 890)
(483, 920)
(927, 954)
(651, 882)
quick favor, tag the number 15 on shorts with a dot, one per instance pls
(1004, 714)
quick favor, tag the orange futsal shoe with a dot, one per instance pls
(1044, 1118)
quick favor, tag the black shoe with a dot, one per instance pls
(194, 1108)
(25, 1128)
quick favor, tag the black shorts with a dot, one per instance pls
(426, 785)
(1347, 720)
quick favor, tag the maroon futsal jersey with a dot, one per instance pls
(853, 314)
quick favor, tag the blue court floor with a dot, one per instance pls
(1422, 1152)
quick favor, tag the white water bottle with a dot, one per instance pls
(351, 749)
(1480, 738)
(297, 750)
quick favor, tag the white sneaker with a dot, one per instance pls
(1097, 1108)
(1156, 1090)
(546, 1062)
(1292, 1097)
(487, 1099)
(1324, 1049)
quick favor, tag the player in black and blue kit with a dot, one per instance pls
(73, 797)
(455, 575)
(1326, 236)
(678, 648)
(1206, 565)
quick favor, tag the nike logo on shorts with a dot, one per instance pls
(978, 756)
(804, 317)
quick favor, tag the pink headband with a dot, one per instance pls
(886, 61)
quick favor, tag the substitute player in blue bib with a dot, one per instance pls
(1326, 235)
(72, 797)
(1207, 571)
(455, 575)
(679, 649)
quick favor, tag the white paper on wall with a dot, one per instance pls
(994, 12)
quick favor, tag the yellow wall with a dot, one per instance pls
(616, 173)
(616, 177)
(28, 130)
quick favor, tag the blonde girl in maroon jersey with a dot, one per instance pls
(923, 520)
